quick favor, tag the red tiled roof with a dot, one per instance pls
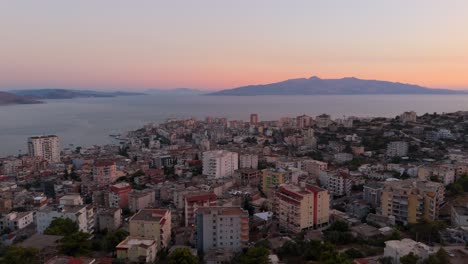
(201, 197)
(102, 163)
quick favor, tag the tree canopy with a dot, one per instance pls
(15, 254)
(182, 256)
(61, 227)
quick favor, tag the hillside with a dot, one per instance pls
(11, 99)
(68, 94)
(317, 86)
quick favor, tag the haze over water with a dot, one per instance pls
(88, 121)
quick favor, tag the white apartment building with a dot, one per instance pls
(152, 224)
(138, 200)
(459, 215)
(221, 227)
(249, 161)
(397, 149)
(408, 117)
(47, 147)
(338, 183)
(16, 220)
(396, 249)
(220, 163)
(83, 215)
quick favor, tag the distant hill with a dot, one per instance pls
(344, 86)
(11, 99)
(176, 91)
(68, 94)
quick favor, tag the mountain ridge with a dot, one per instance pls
(13, 99)
(68, 93)
(344, 86)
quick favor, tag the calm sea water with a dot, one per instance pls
(88, 121)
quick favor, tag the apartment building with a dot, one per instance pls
(118, 195)
(314, 167)
(104, 172)
(220, 163)
(304, 121)
(109, 219)
(253, 119)
(47, 147)
(323, 120)
(152, 224)
(459, 215)
(408, 117)
(397, 149)
(196, 200)
(135, 249)
(338, 183)
(221, 227)
(411, 201)
(71, 199)
(249, 161)
(138, 200)
(272, 178)
(16, 221)
(249, 177)
(82, 215)
(300, 208)
(372, 192)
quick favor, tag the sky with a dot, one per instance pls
(216, 44)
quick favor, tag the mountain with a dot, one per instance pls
(176, 91)
(317, 86)
(11, 99)
(68, 94)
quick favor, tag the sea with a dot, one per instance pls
(90, 121)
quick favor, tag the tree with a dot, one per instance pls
(248, 206)
(353, 253)
(112, 239)
(386, 260)
(61, 227)
(255, 255)
(76, 244)
(15, 254)
(440, 257)
(411, 258)
(182, 256)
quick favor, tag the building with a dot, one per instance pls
(272, 178)
(396, 249)
(323, 120)
(196, 200)
(82, 215)
(221, 227)
(304, 121)
(138, 200)
(152, 224)
(220, 163)
(372, 193)
(47, 147)
(71, 199)
(300, 208)
(338, 183)
(314, 167)
(459, 215)
(104, 172)
(411, 201)
(118, 195)
(253, 119)
(109, 219)
(136, 250)
(397, 149)
(408, 117)
(249, 177)
(16, 221)
(248, 161)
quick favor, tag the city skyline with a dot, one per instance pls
(214, 45)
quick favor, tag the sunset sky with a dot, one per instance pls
(215, 44)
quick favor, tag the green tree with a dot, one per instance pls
(440, 257)
(255, 255)
(112, 239)
(61, 227)
(76, 244)
(353, 253)
(411, 258)
(248, 206)
(15, 254)
(182, 256)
